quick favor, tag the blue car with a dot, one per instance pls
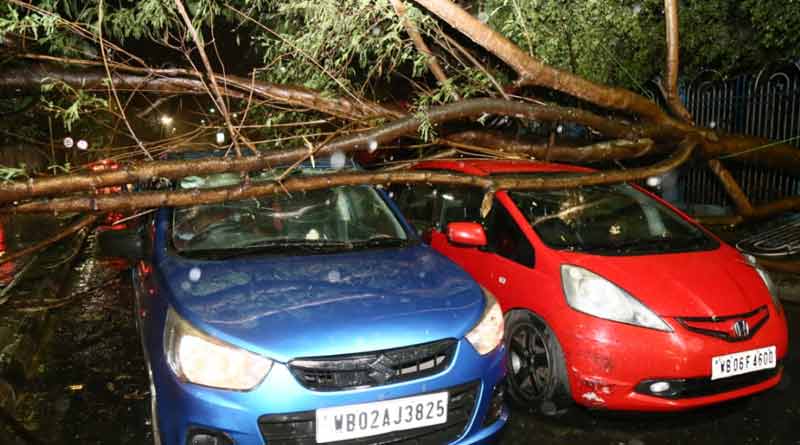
(313, 318)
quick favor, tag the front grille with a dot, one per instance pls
(300, 429)
(341, 372)
(704, 386)
(726, 327)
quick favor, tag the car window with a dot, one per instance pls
(505, 238)
(608, 219)
(338, 216)
(459, 204)
(417, 204)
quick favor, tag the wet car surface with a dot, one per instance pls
(91, 388)
(613, 299)
(315, 317)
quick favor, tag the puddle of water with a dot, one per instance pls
(91, 386)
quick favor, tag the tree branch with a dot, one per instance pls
(216, 95)
(22, 80)
(172, 198)
(419, 43)
(618, 149)
(465, 109)
(670, 90)
(63, 233)
(533, 72)
(730, 185)
(111, 87)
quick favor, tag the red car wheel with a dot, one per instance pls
(537, 374)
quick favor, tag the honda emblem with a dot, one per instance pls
(741, 329)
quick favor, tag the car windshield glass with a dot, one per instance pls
(339, 218)
(608, 219)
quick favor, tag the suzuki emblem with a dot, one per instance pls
(381, 372)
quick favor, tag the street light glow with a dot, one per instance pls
(166, 120)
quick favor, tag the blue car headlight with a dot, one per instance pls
(198, 358)
(487, 334)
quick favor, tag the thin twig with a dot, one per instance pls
(111, 81)
(4, 296)
(154, 105)
(300, 51)
(217, 96)
(419, 43)
(85, 222)
(78, 29)
(475, 62)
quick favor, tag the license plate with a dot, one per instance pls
(743, 362)
(371, 419)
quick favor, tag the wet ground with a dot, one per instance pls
(89, 386)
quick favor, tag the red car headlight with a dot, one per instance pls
(592, 294)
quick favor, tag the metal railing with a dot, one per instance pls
(766, 104)
(763, 104)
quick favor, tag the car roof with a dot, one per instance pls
(487, 167)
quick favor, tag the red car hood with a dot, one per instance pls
(693, 284)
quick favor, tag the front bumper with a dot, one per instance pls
(610, 364)
(244, 417)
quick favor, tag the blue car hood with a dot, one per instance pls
(286, 307)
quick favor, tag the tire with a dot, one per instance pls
(537, 372)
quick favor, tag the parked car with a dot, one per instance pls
(310, 318)
(613, 299)
(111, 218)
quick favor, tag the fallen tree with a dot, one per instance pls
(632, 126)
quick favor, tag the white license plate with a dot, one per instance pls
(370, 419)
(743, 362)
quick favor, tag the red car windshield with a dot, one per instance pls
(608, 219)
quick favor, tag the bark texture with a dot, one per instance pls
(409, 125)
(171, 198)
(30, 78)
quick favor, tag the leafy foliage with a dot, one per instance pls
(359, 48)
(337, 46)
(608, 41)
(732, 36)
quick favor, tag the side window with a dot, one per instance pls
(416, 202)
(459, 204)
(506, 239)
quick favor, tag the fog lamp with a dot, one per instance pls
(207, 437)
(659, 387)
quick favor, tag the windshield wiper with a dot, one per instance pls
(277, 246)
(657, 244)
(383, 241)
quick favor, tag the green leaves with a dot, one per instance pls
(592, 38)
(69, 103)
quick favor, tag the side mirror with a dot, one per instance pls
(129, 243)
(466, 234)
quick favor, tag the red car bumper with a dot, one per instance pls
(607, 361)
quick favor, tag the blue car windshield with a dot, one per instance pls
(337, 218)
(613, 219)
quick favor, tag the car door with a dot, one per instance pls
(503, 265)
(460, 204)
(510, 261)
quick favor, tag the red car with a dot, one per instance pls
(613, 298)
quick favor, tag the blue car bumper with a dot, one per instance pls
(281, 410)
